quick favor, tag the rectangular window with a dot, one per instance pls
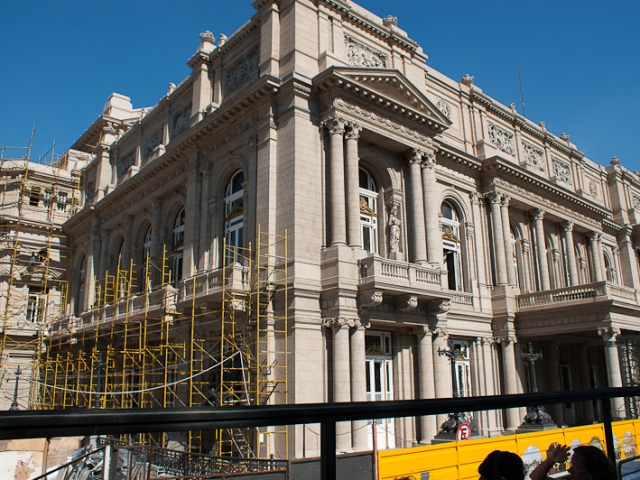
(47, 199)
(61, 204)
(34, 197)
(35, 305)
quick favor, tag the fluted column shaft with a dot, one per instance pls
(510, 380)
(543, 262)
(574, 279)
(428, 424)
(498, 239)
(614, 377)
(358, 383)
(596, 255)
(336, 182)
(431, 209)
(417, 207)
(341, 377)
(353, 185)
(508, 246)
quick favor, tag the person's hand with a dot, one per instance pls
(557, 453)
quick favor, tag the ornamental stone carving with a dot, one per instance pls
(609, 334)
(467, 80)
(562, 171)
(152, 142)
(444, 108)
(635, 201)
(360, 55)
(406, 304)
(241, 71)
(568, 226)
(390, 21)
(422, 331)
(337, 323)
(533, 155)
(353, 130)
(593, 189)
(335, 125)
(501, 139)
(180, 121)
(395, 225)
(414, 155)
(369, 300)
(126, 162)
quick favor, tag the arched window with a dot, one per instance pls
(452, 258)
(178, 246)
(78, 307)
(368, 212)
(145, 280)
(609, 268)
(234, 211)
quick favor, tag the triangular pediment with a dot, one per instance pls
(385, 87)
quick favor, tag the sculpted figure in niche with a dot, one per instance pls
(394, 231)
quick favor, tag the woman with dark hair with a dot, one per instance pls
(501, 466)
(587, 463)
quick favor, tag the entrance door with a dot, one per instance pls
(380, 387)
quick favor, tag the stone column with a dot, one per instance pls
(191, 227)
(353, 184)
(510, 379)
(543, 263)
(359, 431)
(431, 209)
(414, 156)
(508, 246)
(428, 424)
(614, 377)
(104, 253)
(341, 376)
(585, 382)
(552, 376)
(203, 250)
(594, 238)
(574, 279)
(498, 238)
(526, 271)
(442, 369)
(336, 180)
(156, 249)
(477, 203)
(628, 258)
(126, 244)
(487, 354)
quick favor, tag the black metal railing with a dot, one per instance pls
(38, 424)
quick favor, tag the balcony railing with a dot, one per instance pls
(588, 292)
(374, 269)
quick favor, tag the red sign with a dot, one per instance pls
(463, 432)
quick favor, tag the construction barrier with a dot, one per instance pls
(460, 460)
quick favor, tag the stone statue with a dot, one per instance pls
(394, 229)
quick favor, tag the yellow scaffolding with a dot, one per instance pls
(218, 338)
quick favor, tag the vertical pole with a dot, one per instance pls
(375, 449)
(605, 404)
(328, 465)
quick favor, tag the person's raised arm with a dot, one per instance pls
(556, 454)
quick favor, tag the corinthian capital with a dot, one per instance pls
(595, 236)
(609, 334)
(353, 130)
(335, 125)
(337, 323)
(414, 155)
(495, 197)
(422, 331)
(505, 200)
(156, 203)
(537, 214)
(429, 159)
(568, 226)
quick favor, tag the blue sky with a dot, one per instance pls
(579, 60)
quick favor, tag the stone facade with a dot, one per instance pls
(418, 210)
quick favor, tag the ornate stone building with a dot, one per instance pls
(417, 210)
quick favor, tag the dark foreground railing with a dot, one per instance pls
(69, 422)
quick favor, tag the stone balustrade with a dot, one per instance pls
(587, 292)
(393, 275)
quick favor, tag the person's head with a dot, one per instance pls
(590, 463)
(501, 466)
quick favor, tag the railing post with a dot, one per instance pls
(328, 464)
(605, 403)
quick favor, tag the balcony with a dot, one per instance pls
(394, 277)
(582, 293)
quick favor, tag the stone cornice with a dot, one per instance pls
(387, 34)
(497, 165)
(449, 153)
(525, 125)
(237, 107)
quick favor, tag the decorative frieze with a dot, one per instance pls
(359, 55)
(383, 121)
(635, 202)
(533, 155)
(180, 121)
(241, 71)
(152, 142)
(501, 139)
(562, 171)
(126, 162)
